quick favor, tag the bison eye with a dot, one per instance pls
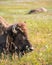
(27, 48)
(14, 29)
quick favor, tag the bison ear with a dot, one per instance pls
(13, 29)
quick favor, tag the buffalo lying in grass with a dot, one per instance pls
(14, 40)
(39, 10)
(20, 43)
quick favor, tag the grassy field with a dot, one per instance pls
(39, 30)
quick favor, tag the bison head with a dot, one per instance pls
(21, 42)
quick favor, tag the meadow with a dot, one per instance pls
(39, 30)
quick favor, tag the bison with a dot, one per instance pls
(38, 10)
(13, 39)
(19, 43)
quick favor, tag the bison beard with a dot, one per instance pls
(14, 40)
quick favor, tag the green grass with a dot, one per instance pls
(39, 30)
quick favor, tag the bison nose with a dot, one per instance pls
(31, 48)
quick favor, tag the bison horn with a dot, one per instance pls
(16, 47)
(13, 29)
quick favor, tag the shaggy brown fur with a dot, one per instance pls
(22, 25)
(4, 22)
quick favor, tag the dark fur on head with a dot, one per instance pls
(20, 41)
